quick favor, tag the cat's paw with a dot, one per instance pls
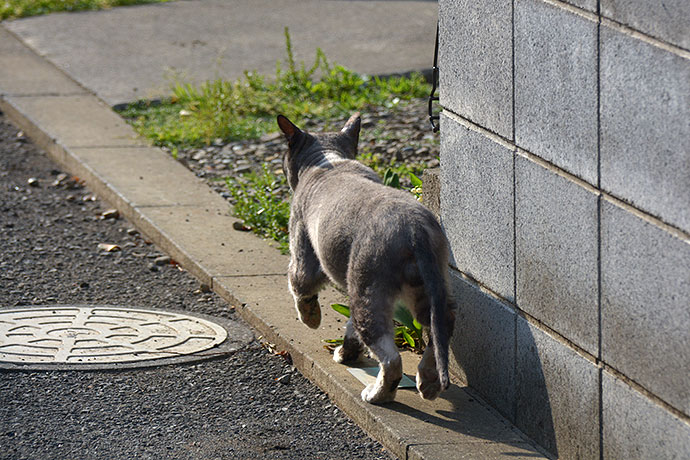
(339, 355)
(310, 311)
(342, 355)
(429, 388)
(375, 394)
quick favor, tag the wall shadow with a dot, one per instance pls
(493, 350)
(471, 418)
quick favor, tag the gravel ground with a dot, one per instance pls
(402, 134)
(225, 408)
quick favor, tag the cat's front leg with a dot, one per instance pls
(305, 277)
(351, 350)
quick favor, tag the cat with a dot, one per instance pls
(378, 243)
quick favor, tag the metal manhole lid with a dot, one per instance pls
(104, 337)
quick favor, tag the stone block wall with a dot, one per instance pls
(565, 195)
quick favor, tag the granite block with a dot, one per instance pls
(477, 205)
(556, 86)
(667, 20)
(557, 394)
(645, 154)
(636, 427)
(645, 287)
(475, 58)
(483, 345)
(556, 246)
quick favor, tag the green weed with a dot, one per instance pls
(408, 332)
(13, 9)
(258, 204)
(404, 170)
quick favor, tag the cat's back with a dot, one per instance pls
(351, 195)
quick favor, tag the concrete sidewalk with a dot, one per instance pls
(131, 53)
(184, 217)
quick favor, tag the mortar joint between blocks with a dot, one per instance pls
(620, 27)
(646, 393)
(656, 221)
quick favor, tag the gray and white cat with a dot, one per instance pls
(377, 243)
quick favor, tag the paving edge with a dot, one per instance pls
(401, 430)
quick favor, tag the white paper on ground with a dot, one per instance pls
(367, 375)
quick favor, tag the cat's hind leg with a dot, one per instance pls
(305, 277)
(372, 319)
(351, 349)
(390, 371)
(428, 383)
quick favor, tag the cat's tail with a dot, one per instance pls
(432, 261)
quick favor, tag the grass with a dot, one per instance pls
(259, 203)
(14, 9)
(195, 116)
(380, 165)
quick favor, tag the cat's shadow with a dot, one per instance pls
(469, 418)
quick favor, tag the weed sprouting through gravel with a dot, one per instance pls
(260, 205)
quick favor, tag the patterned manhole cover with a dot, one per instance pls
(106, 336)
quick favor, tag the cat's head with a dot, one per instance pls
(305, 149)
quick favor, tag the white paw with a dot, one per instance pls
(338, 355)
(375, 394)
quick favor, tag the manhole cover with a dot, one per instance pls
(106, 337)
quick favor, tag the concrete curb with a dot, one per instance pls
(190, 222)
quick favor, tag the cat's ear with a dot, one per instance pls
(292, 132)
(351, 128)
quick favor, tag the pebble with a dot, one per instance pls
(107, 247)
(162, 260)
(239, 226)
(59, 179)
(242, 169)
(269, 137)
(110, 214)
